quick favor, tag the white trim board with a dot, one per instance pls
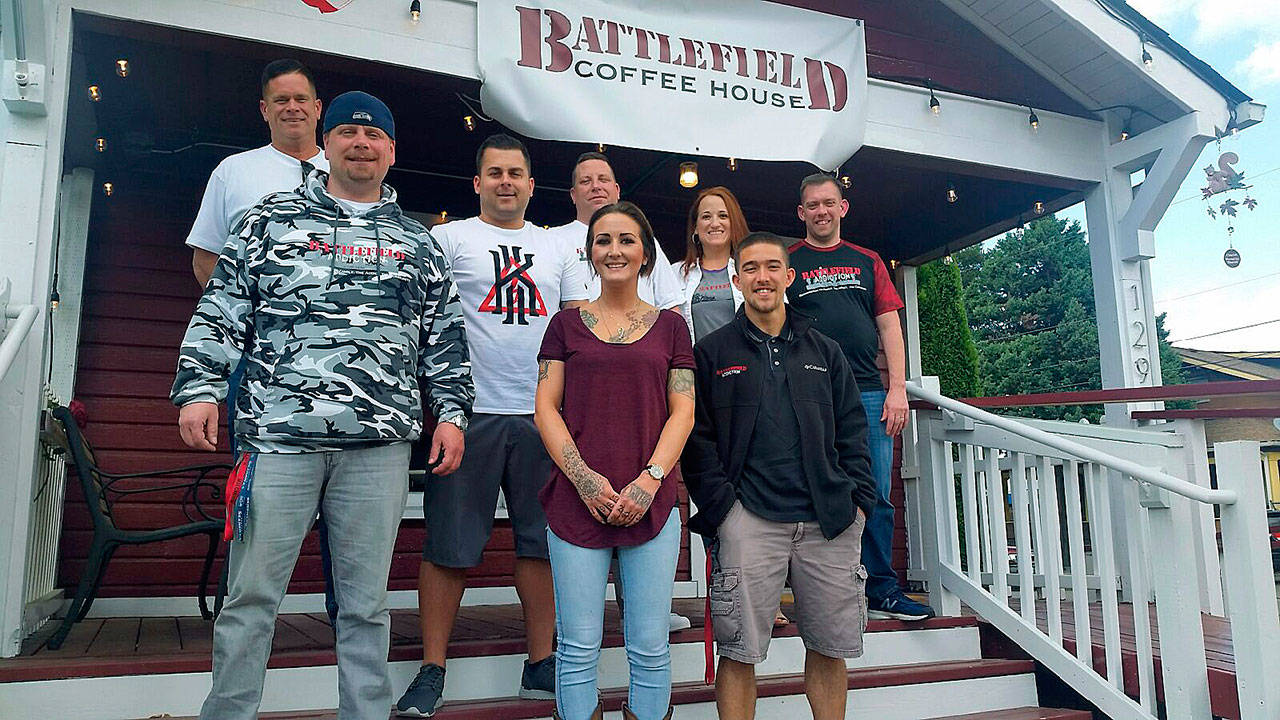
(174, 606)
(315, 688)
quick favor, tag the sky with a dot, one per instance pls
(1202, 296)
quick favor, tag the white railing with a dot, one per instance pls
(42, 598)
(988, 486)
(24, 317)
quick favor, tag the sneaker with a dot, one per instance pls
(538, 681)
(425, 693)
(678, 622)
(898, 607)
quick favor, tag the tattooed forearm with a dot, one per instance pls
(680, 380)
(544, 367)
(587, 481)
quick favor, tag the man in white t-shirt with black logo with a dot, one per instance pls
(291, 109)
(512, 277)
(593, 185)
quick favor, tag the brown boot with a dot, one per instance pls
(628, 715)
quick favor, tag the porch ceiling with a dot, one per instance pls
(190, 100)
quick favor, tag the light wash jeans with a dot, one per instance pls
(877, 537)
(362, 492)
(648, 578)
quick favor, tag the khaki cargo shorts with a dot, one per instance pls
(750, 559)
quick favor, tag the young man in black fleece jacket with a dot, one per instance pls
(779, 469)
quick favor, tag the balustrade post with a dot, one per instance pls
(938, 525)
(1250, 589)
(1182, 658)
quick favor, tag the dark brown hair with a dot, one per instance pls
(761, 238)
(818, 179)
(592, 155)
(502, 141)
(737, 225)
(646, 232)
(284, 66)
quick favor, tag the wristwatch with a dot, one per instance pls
(458, 420)
(656, 472)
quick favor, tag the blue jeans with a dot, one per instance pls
(326, 560)
(877, 538)
(363, 493)
(581, 576)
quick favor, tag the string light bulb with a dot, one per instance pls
(733, 164)
(1038, 207)
(54, 299)
(1124, 134)
(935, 107)
(1147, 60)
(108, 189)
(469, 122)
(415, 10)
(95, 93)
(952, 196)
(688, 174)
(600, 147)
(122, 67)
(1033, 120)
(100, 144)
(846, 182)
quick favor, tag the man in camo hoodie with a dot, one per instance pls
(341, 305)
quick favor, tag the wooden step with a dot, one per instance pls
(685, 695)
(1025, 713)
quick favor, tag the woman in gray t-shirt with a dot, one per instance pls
(716, 224)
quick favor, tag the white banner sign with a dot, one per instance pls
(727, 78)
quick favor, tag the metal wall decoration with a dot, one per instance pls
(1224, 180)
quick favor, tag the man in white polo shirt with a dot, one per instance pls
(594, 186)
(291, 110)
(512, 277)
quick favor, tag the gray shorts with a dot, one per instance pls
(503, 451)
(750, 558)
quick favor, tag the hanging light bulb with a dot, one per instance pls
(688, 174)
(951, 193)
(1124, 134)
(846, 182)
(733, 165)
(95, 93)
(444, 215)
(1038, 207)
(1147, 60)
(1033, 119)
(108, 189)
(935, 107)
(469, 122)
(54, 299)
(415, 10)
(122, 67)
(100, 144)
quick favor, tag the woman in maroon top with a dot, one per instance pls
(614, 407)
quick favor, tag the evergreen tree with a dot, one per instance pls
(1030, 303)
(946, 343)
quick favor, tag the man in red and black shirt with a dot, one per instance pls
(848, 292)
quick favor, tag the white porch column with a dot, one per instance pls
(30, 161)
(1121, 226)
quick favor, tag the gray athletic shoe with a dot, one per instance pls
(678, 622)
(425, 693)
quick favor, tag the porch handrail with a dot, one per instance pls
(25, 315)
(1163, 480)
(975, 472)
